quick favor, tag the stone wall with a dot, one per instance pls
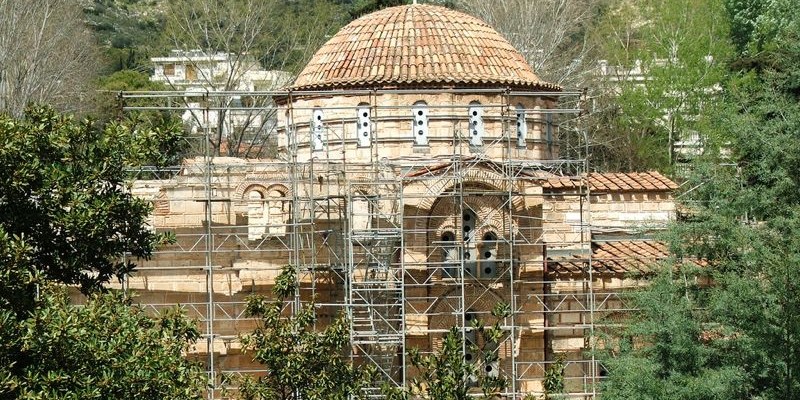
(393, 129)
(551, 315)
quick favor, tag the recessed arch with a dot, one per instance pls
(261, 183)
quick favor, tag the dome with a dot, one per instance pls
(418, 46)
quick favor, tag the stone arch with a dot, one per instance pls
(419, 209)
(266, 206)
(278, 187)
(363, 189)
(475, 175)
(245, 195)
(491, 219)
(443, 216)
(259, 183)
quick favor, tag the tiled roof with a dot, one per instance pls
(617, 182)
(616, 257)
(418, 45)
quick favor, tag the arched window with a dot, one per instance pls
(318, 134)
(363, 125)
(277, 211)
(450, 255)
(488, 263)
(522, 126)
(476, 255)
(475, 123)
(419, 125)
(256, 215)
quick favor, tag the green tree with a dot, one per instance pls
(105, 349)
(67, 217)
(737, 336)
(662, 75)
(302, 362)
(65, 199)
(665, 352)
(448, 375)
(172, 140)
(757, 23)
(129, 32)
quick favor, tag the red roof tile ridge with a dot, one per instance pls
(631, 181)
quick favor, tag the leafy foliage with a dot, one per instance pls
(105, 349)
(664, 67)
(302, 363)
(67, 217)
(64, 202)
(736, 336)
(664, 354)
(448, 375)
(554, 377)
(128, 30)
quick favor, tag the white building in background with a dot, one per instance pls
(199, 73)
(196, 69)
(688, 144)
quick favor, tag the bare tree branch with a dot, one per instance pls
(250, 35)
(551, 34)
(47, 55)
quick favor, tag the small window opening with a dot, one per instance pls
(420, 123)
(364, 126)
(450, 267)
(476, 123)
(522, 126)
(318, 133)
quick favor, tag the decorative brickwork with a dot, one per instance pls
(161, 203)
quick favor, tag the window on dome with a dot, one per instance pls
(420, 123)
(318, 134)
(364, 125)
(475, 124)
(522, 126)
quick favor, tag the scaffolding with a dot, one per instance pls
(405, 246)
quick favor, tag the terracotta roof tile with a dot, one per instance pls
(616, 257)
(616, 182)
(463, 49)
